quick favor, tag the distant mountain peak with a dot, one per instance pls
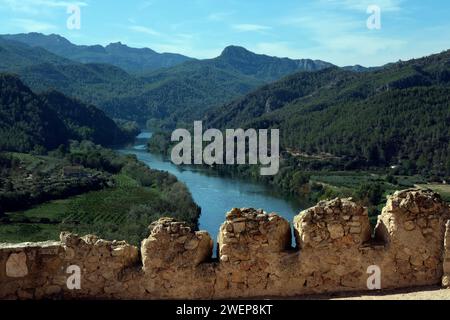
(233, 51)
(117, 44)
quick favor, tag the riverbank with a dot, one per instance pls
(217, 194)
(312, 178)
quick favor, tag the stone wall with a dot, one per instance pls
(335, 248)
(446, 257)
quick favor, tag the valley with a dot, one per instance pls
(217, 194)
(70, 115)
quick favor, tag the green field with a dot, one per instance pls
(442, 189)
(351, 180)
(137, 197)
(104, 212)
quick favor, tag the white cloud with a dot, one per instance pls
(145, 4)
(364, 45)
(250, 27)
(29, 25)
(218, 16)
(325, 23)
(362, 5)
(145, 30)
(36, 7)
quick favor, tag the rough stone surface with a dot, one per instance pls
(255, 258)
(337, 223)
(413, 227)
(16, 266)
(172, 243)
(250, 243)
(446, 257)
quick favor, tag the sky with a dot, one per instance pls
(331, 30)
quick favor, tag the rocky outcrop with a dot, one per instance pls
(335, 251)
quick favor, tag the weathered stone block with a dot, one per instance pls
(16, 266)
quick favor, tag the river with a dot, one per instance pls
(216, 195)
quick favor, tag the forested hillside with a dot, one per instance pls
(43, 122)
(185, 92)
(26, 122)
(17, 55)
(92, 83)
(399, 115)
(86, 122)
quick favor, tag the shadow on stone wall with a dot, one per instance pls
(334, 252)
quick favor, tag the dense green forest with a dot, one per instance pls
(397, 116)
(31, 122)
(26, 122)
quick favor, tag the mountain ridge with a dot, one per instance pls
(168, 96)
(134, 60)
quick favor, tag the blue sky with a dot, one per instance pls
(331, 30)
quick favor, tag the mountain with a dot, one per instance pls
(169, 96)
(17, 55)
(396, 115)
(261, 66)
(28, 121)
(92, 83)
(185, 92)
(132, 60)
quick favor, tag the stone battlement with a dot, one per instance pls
(335, 248)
